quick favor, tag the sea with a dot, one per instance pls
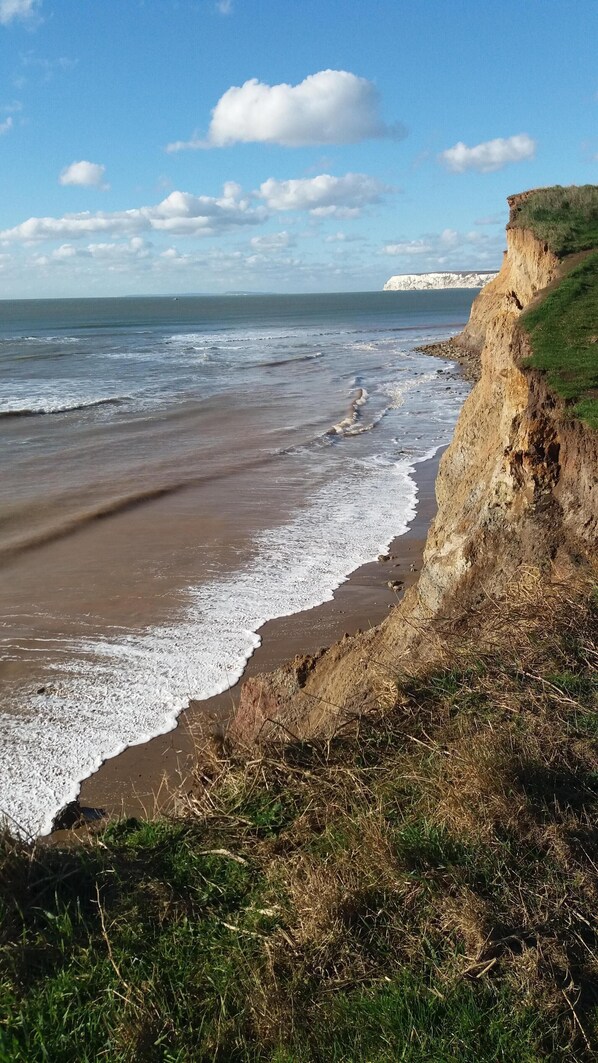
(176, 472)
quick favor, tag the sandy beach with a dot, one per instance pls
(143, 778)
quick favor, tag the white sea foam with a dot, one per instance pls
(32, 340)
(49, 406)
(123, 690)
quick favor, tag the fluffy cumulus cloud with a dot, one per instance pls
(330, 107)
(6, 125)
(491, 155)
(84, 173)
(13, 9)
(180, 213)
(184, 214)
(324, 195)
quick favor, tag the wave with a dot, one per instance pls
(125, 503)
(288, 361)
(351, 425)
(45, 411)
(347, 425)
(85, 517)
(39, 339)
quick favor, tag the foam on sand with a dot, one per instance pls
(123, 690)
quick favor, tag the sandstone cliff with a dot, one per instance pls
(516, 488)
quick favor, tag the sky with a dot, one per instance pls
(208, 146)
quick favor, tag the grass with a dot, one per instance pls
(566, 219)
(421, 888)
(563, 332)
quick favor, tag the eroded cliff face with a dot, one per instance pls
(528, 266)
(516, 487)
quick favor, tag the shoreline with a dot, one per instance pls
(452, 351)
(142, 779)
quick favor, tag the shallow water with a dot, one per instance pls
(177, 472)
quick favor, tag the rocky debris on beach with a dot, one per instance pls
(395, 584)
(469, 360)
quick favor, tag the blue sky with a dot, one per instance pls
(163, 146)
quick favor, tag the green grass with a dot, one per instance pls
(459, 1026)
(566, 219)
(422, 889)
(563, 332)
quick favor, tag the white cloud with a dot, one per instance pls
(491, 155)
(6, 125)
(324, 195)
(440, 243)
(408, 248)
(180, 213)
(330, 107)
(224, 7)
(112, 255)
(272, 241)
(449, 238)
(11, 9)
(448, 249)
(86, 174)
(64, 252)
(185, 214)
(340, 238)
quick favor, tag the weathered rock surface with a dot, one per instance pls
(516, 487)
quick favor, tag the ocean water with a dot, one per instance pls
(175, 473)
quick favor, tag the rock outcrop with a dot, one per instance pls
(411, 282)
(517, 487)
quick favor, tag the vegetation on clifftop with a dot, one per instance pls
(423, 887)
(563, 330)
(566, 219)
(563, 326)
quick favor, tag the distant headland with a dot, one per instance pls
(412, 282)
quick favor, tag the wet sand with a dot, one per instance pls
(142, 779)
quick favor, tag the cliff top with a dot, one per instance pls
(563, 325)
(565, 219)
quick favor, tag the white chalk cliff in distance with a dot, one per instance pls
(410, 282)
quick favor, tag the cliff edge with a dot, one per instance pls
(516, 490)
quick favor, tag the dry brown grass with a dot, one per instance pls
(433, 863)
(486, 759)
